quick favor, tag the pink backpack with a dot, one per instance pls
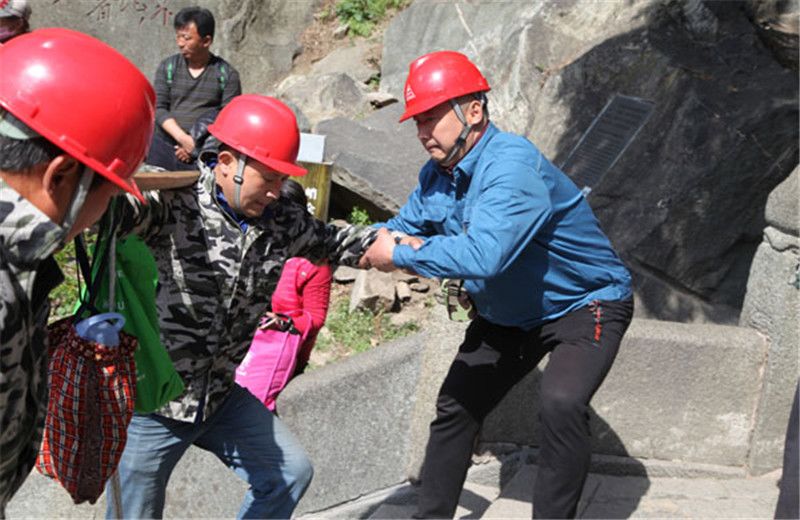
(269, 363)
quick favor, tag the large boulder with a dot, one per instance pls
(685, 203)
(376, 158)
(353, 59)
(259, 38)
(324, 96)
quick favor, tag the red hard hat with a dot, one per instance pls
(438, 77)
(262, 128)
(83, 96)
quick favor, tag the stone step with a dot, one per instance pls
(392, 511)
(606, 496)
(474, 501)
(515, 498)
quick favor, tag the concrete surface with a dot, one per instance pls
(676, 392)
(772, 306)
(353, 417)
(604, 496)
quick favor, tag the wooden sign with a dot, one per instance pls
(317, 183)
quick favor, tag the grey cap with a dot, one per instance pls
(12, 127)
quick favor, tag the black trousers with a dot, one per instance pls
(788, 505)
(491, 360)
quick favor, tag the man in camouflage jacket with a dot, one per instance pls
(67, 146)
(28, 273)
(216, 280)
(220, 246)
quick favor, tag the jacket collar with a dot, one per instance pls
(469, 162)
(27, 234)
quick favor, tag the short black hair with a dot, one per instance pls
(20, 155)
(201, 17)
(294, 191)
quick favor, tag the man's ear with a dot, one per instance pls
(60, 177)
(474, 112)
(207, 40)
(226, 163)
(57, 182)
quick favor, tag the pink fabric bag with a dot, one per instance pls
(269, 363)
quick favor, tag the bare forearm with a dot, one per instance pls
(172, 127)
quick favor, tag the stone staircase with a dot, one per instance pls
(665, 490)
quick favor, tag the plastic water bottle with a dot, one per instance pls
(101, 328)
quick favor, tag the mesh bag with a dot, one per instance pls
(91, 398)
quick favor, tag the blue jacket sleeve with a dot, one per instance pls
(410, 220)
(510, 207)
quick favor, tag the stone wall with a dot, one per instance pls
(258, 38)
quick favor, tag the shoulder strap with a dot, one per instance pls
(93, 274)
(172, 64)
(222, 76)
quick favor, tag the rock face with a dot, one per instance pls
(772, 306)
(259, 38)
(325, 96)
(685, 203)
(376, 158)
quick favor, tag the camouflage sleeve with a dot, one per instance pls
(338, 244)
(136, 218)
(346, 244)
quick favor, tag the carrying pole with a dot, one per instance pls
(116, 492)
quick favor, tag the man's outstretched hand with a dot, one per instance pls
(379, 254)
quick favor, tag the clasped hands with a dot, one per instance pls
(379, 254)
(184, 148)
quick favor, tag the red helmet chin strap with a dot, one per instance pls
(238, 180)
(467, 128)
(77, 201)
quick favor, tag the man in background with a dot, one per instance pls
(191, 87)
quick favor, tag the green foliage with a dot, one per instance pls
(64, 298)
(348, 332)
(326, 14)
(362, 15)
(374, 81)
(359, 217)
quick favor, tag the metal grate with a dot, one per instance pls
(606, 139)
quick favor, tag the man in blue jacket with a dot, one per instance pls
(491, 210)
